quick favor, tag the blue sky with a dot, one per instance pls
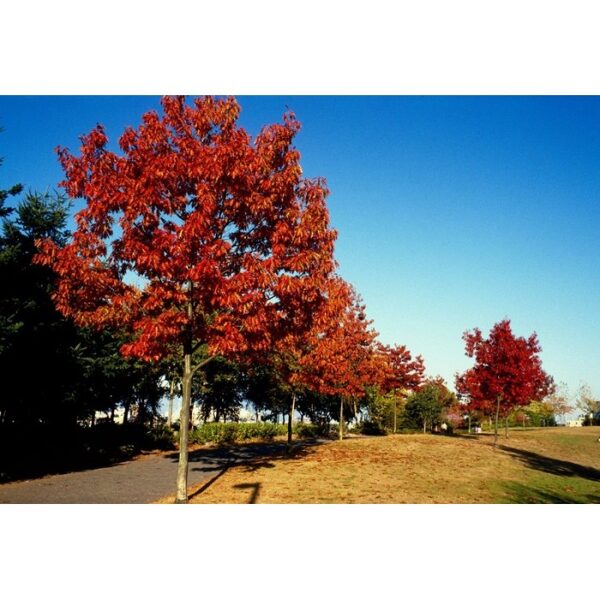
(452, 212)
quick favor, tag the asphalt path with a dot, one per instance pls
(139, 481)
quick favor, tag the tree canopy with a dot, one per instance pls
(507, 372)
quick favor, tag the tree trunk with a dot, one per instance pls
(112, 413)
(496, 422)
(291, 418)
(424, 425)
(126, 413)
(341, 433)
(171, 394)
(141, 411)
(395, 410)
(506, 427)
(469, 417)
(182, 467)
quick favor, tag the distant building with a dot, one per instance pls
(575, 423)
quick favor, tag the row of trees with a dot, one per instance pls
(199, 246)
(202, 257)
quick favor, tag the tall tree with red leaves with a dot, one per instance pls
(507, 372)
(194, 238)
(342, 360)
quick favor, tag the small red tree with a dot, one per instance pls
(289, 355)
(403, 373)
(342, 359)
(507, 372)
(196, 239)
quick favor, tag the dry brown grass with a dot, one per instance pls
(544, 465)
(551, 465)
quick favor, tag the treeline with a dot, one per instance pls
(201, 265)
(64, 385)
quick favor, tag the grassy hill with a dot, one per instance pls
(551, 465)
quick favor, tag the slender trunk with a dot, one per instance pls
(395, 410)
(112, 413)
(182, 467)
(256, 415)
(496, 422)
(93, 418)
(341, 432)
(424, 425)
(126, 413)
(291, 418)
(506, 427)
(186, 404)
(171, 395)
(469, 423)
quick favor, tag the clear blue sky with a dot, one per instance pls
(452, 212)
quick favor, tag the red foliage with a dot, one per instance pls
(342, 359)
(194, 232)
(506, 367)
(403, 372)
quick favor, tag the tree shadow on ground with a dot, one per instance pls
(523, 494)
(250, 457)
(552, 466)
(255, 487)
(54, 451)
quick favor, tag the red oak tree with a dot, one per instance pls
(342, 359)
(402, 372)
(507, 372)
(196, 239)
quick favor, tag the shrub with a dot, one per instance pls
(228, 433)
(308, 430)
(372, 428)
(159, 437)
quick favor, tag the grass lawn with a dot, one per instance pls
(552, 465)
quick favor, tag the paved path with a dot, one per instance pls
(135, 482)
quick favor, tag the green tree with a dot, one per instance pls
(34, 337)
(540, 414)
(267, 391)
(221, 390)
(14, 190)
(587, 404)
(425, 408)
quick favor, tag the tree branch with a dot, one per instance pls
(202, 363)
